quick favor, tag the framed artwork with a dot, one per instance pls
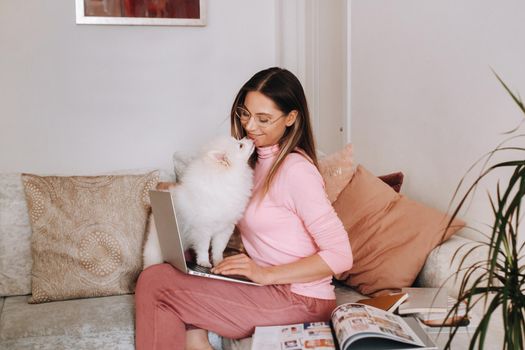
(142, 12)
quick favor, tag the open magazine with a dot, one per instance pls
(355, 326)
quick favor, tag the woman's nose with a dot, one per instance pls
(251, 124)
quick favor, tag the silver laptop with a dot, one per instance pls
(171, 242)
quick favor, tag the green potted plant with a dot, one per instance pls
(499, 280)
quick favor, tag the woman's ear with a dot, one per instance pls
(291, 117)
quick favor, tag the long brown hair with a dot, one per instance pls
(285, 90)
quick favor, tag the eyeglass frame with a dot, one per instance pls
(257, 121)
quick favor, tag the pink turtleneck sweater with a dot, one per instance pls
(294, 220)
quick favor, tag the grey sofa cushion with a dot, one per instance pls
(93, 323)
(15, 236)
(439, 267)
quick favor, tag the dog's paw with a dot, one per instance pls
(216, 261)
(204, 263)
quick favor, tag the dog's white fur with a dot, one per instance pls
(211, 197)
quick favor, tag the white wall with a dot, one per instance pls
(83, 98)
(424, 100)
(312, 43)
(331, 75)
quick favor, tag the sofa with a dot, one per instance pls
(107, 322)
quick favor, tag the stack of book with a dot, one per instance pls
(424, 301)
(389, 302)
(431, 306)
(443, 318)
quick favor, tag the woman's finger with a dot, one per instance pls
(230, 265)
(237, 271)
(235, 265)
(235, 257)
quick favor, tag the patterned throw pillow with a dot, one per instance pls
(88, 233)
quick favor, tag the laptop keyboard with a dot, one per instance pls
(198, 268)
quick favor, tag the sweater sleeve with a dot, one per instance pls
(304, 194)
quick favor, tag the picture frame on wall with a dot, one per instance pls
(142, 12)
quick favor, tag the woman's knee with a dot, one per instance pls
(153, 277)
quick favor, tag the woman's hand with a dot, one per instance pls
(241, 264)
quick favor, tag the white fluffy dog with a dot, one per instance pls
(212, 194)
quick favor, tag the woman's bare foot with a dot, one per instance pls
(197, 339)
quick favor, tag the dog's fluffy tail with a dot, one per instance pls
(152, 254)
(180, 162)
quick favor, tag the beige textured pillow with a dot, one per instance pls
(337, 170)
(88, 233)
(390, 234)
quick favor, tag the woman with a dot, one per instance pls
(293, 236)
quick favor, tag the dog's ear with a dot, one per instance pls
(219, 157)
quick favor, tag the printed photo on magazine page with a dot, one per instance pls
(311, 336)
(355, 322)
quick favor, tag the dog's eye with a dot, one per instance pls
(241, 145)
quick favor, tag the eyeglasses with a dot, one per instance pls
(262, 121)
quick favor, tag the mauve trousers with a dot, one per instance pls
(168, 301)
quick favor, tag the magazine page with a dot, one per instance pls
(352, 322)
(302, 336)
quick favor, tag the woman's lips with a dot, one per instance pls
(253, 136)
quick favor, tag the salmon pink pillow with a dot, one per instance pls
(390, 234)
